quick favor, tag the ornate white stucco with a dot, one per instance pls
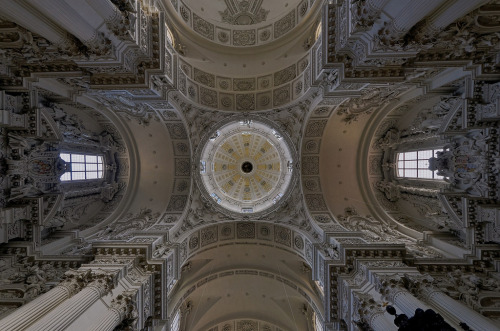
(296, 109)
(246, 166)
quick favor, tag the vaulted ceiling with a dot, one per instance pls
(334, 78)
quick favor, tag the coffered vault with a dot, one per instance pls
(266, 165)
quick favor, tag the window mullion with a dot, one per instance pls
(83, 167)
(412, 164)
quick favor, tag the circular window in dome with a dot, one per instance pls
(246, 166)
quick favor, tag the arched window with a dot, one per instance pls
(415, 164)
(82, 166)
(170, 36)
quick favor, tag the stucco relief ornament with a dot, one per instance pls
(244, 12)
(126, 306)
(331, 251)
(390, 190)
(75, 280)
(161, 251)
(244, 166)
(123, 24)
(370, 100)
(365, 308)
(330, 81)
(364, 15)
(467, 287)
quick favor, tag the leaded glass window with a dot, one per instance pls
(82, 167)
(415, 164)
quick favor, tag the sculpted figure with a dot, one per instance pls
(490, 284)
(161, 251)
(331, 251)
(27, 190)
(442, 163)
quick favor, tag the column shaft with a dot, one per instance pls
(407, 303)
(382, 322)
(106, 9)
(109, 321)
(458, 312)
(29, 313)
(413, 13)
(442, 19)
(66, 313)
(67, 17)
(377, 4)
(20, 13)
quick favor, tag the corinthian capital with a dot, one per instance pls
(389, 286)
(103, 280)
(420, 285)
(126, 305)
(365, 307)
(75, 280)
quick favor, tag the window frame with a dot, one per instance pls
(93, 165)
(401, 172)
(318, 325)
(175, 324)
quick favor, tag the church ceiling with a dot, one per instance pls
(328, 94)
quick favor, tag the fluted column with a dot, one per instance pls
(22, 14)
(372, 312)
(106, 9)
(68, 311)
(377, 4)
(405, 301)
(456, 311)
(108, 322)
(393, 291)
(381, 322)
(71, 20)
(116, 21)
(413, 13)
(410, 15)
(448, 15)
(29, 313)
(121, 308)
(32, 311)
(67, 17)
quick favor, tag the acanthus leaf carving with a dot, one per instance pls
(126, 305)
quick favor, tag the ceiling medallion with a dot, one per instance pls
(246, 166)
(244, 12)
